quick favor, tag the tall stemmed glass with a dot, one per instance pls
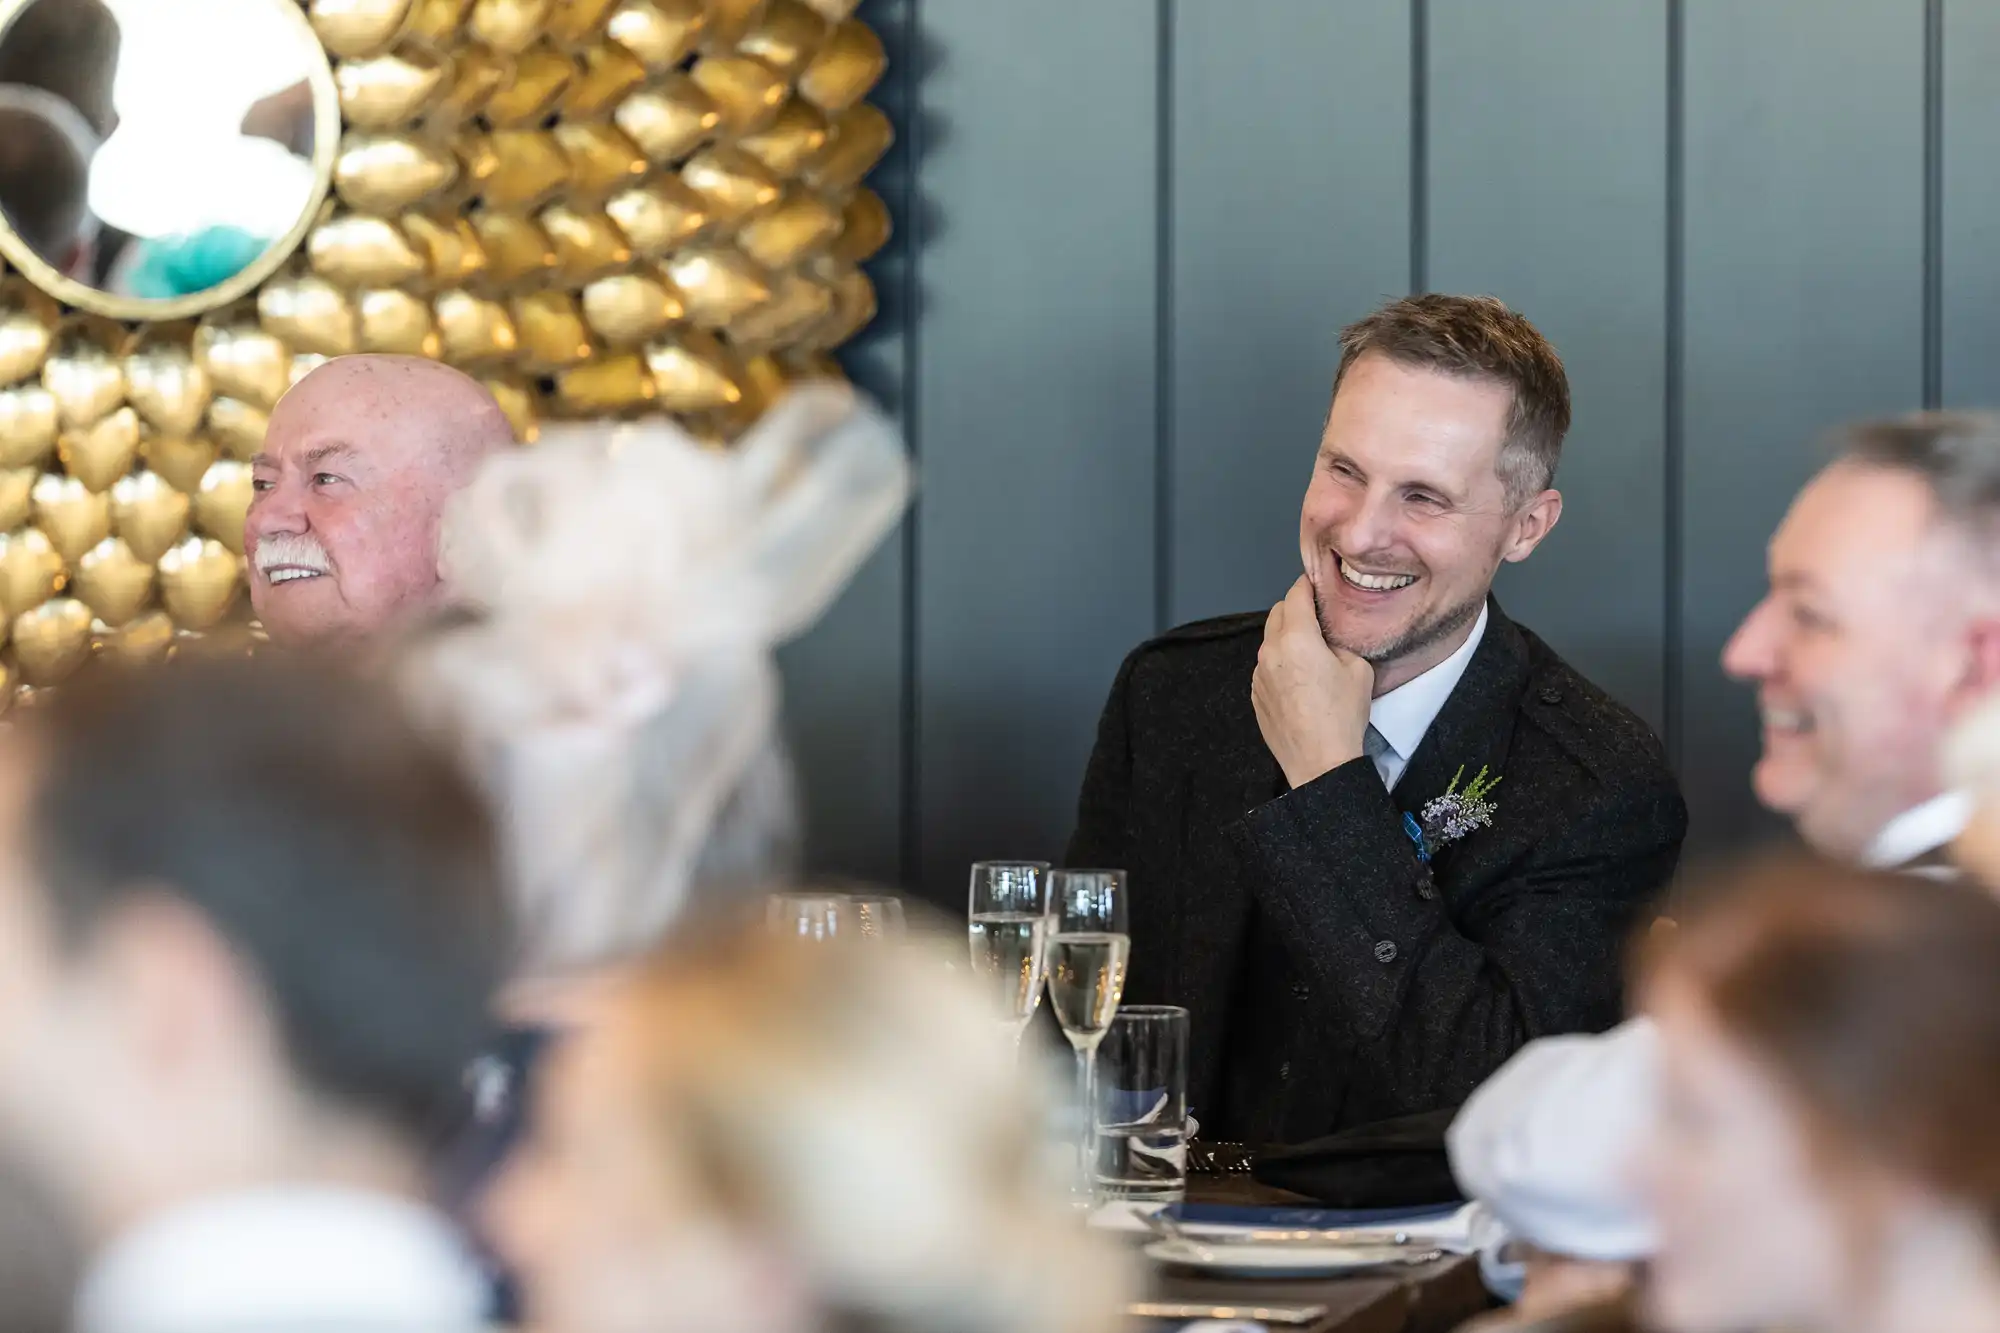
(1087, 956)
(1008, 925)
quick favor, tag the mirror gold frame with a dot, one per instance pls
(326, 150)
(598, 208)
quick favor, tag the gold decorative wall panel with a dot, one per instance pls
(599, 208)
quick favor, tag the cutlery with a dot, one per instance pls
(1263, 1314)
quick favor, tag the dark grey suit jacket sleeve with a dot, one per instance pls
(1432, 1001)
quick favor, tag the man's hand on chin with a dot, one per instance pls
(1311, 700)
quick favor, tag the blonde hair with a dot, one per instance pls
(610, 678)
(861, 1110)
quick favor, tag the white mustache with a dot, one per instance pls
(287, 551)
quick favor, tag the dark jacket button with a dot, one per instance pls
(1301, 992)
(1552, 696)
(1385, 951)
(1285, 1071)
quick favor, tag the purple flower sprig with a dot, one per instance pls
(1449, 817)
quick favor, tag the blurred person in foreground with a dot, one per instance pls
(615, 596)
(1824, 1159)
(1881, 630)
(349, 488)
(605, 670)
(758, 1136)
(249, 925)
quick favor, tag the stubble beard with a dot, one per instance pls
(1423, 634)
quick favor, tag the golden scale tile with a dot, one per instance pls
(601, 208)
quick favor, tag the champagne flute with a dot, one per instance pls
(1087, 956)
(1008, 925)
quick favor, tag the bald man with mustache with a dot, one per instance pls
(359, 460)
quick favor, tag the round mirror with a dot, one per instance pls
(160, 157)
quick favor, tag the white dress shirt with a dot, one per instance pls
(285, 1258)
(1404, 714)
(1919, 832)
(1548, 1143)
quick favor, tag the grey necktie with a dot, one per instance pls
(1375, 745)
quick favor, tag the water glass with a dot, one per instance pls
(878, 918)
(815, 918)
(1142, 1104)
(1007, 925)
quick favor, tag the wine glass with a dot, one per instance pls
(878, 917)
(1087, 955)
(816, 918)
(1008, 925)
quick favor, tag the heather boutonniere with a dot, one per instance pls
(1447, 818)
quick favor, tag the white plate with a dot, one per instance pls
(1284, 1260)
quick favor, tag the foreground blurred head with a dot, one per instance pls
(1825, 1158)
(348, 491)
(762, 1137)
(248, 926)
(1881, 626)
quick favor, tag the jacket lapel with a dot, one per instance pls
(1476, 724)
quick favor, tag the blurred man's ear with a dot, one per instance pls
(184, 993)
(1981, 677)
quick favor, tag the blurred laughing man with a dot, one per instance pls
(1879, 633)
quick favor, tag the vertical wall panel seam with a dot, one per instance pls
(1163, 330)
(911, 810)
(1419, 145)
(1673, 427)
(1933, 203)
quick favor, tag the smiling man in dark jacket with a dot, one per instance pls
(1360, 931)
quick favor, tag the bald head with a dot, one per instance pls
(356, 468)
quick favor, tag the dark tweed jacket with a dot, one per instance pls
(1326, 991)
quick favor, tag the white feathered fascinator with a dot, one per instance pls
(616, 685)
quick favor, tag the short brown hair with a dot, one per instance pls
(1478, 337)
(1874, 1001)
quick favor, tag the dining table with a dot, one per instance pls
(1433, 1297)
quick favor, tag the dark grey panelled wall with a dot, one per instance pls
(1129, 231)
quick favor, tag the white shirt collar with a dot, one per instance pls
(1919, 831)
(285, 1257)
(1405, 713)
